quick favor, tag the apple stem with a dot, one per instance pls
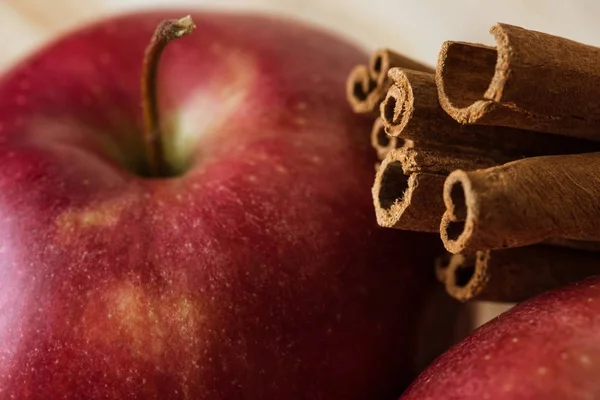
(166, 31)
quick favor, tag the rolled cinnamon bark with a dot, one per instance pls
(366, 86)
(439, 161)
(362, 92)
(522, 202)
(383, 143)
(411, 110)
(531, 80)
(383, 60)
(407, 193)
(410, 202)
(515, 275)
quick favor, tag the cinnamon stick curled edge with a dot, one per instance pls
(531, 80)
(383, 143)
(408, 186)
(411, 110)
(522, 202)
(366, 86)
(513, 275)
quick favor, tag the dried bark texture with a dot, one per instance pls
(366, 86)
(522, 202)
(411, 110)
(385, 59)
(407, 193)
(361, 91)
(383, 143)
(514, 275)
(531, 80)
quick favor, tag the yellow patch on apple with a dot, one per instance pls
(103, 215)
(146, 322)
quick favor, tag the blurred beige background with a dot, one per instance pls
(414, 27)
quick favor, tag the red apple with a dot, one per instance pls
(257, 272)
(546, 348)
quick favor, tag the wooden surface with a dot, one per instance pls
(414, 27)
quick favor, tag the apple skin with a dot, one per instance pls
(545, 348)
(259, 273)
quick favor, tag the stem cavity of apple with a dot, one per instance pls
(166, 31)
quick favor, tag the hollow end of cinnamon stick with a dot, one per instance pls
(404, 200)
(458, 222)
(379, 137)
(395, 109)
(466, 275)
(521, 203)
(516, 274)
(366, 86)
(379, 64)
(385, 59)
(411, 109)
(389, 192)
(531, 80)
(464, 75)
(407, 193)
(359, 90)
(399, 203)
(384, 143)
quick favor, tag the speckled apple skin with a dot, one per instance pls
(257, 274)
(547, 348)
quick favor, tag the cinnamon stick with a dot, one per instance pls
(411, 110)
(514, 275)
(383, 60)
(531, 80)
(408, 186)
(522, 202)
(366, 86)
(361, 91)
(383, 143)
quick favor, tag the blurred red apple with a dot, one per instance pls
(546, 348)
(254, 271)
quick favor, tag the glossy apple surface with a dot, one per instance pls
(546, 348)
(256, 273)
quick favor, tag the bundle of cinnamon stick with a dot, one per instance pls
(498, 150)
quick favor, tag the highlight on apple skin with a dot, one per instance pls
(545, 348)
(254, 271)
